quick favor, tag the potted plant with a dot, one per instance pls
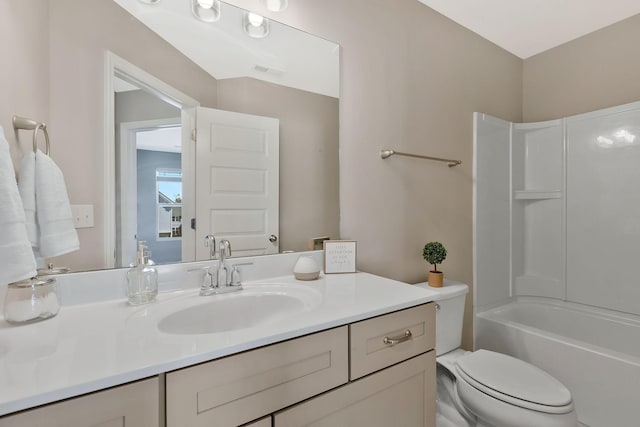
(434, 253)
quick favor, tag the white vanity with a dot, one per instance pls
(345, 347)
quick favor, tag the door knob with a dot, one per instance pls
(273, 238)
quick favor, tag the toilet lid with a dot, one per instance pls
(513, 380)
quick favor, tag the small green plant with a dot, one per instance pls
(434, 253)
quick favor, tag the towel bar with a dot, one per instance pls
(388, 153)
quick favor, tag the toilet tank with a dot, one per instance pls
(449, 314)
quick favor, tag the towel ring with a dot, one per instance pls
(46, 138)
(23, 123)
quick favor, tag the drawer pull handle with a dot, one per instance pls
(397, 340)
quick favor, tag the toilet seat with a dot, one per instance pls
(513, 381)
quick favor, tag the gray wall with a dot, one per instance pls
(162, 251)
(595, 71)
(138, 105)
(24, 81)
(411, 80)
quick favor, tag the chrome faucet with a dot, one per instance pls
(224, 249)
(223, 281)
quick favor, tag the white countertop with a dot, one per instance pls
(89, 347)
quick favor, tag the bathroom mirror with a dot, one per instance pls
(127, 83)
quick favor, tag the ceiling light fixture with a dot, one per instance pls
(276, 5)
(150, 1)
(255, 25)
(206, 10)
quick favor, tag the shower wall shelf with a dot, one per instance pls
(536, 194)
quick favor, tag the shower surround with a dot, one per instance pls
(557, 218)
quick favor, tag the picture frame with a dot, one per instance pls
(339, 256)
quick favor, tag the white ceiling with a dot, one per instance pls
(168, 139)
(528, 27)
(287, 56)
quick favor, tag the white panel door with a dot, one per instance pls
(237, 157)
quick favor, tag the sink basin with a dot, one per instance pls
(246, 309)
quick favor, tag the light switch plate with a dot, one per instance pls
(82, 216)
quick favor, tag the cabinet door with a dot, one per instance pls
(246, 386)
(132, 405)
(402, 395)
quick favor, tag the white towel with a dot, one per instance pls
(27, 187)
(18, 262)
(58, 235)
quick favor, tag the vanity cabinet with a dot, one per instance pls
(383, 392)
(377, 372)
(238, 389)
(132, 405)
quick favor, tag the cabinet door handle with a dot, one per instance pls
(397, 340)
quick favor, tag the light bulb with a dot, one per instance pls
(255, 19)
(276, 5)
(206, 4)
(206, 10)
(255, 25)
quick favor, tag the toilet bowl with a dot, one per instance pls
(488, 389)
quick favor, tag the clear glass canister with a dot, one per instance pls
(31, 300)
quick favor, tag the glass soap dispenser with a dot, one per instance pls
(142, 278)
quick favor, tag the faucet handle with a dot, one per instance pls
(212, 245)
(235, 276)
(209, 282)
(224, 247)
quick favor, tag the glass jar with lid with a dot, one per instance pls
(31, 300)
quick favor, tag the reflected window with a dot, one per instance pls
(169, 203)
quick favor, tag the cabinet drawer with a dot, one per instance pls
(240, 388)
(370, 353)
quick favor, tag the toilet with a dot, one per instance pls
(488, 389)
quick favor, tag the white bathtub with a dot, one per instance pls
(594, 352)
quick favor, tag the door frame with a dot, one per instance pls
(115, 66)
(129, 173)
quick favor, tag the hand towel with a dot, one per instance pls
(27, 188)
(58, 235)
(18, 262)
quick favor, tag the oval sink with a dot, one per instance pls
(232, 312)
